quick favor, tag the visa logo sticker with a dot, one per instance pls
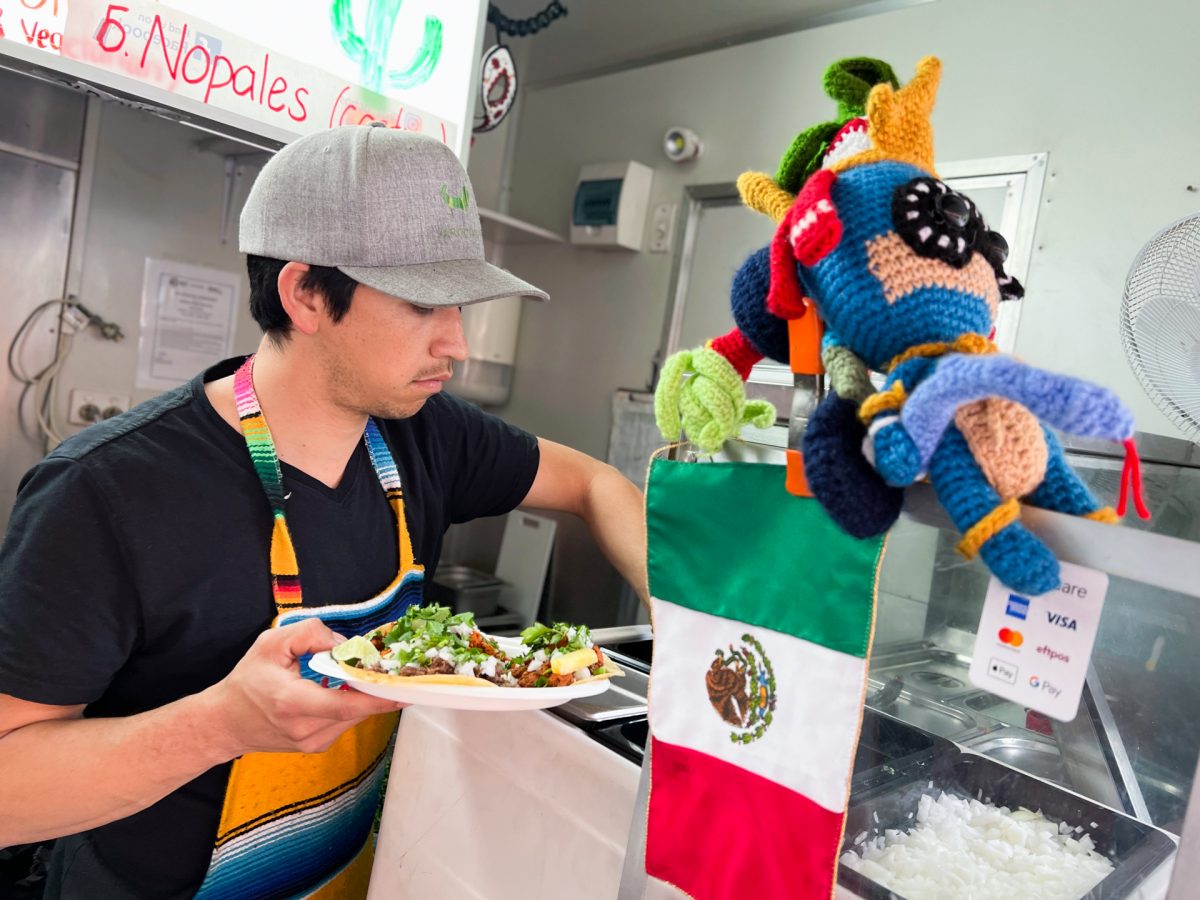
(1018, 606)
(1061, 621)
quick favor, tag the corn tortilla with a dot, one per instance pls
(384, 678)
(611, 669)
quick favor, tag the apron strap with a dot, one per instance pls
(389, 480)
(285, 569)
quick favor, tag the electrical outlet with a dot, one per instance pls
(86, 407)
(661, 222)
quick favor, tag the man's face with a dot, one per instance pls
(387, 357)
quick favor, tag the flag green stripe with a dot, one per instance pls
(729, 540)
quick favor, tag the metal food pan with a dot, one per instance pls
(1134, 848)
(924, 713)
(925, 669)
(635, 654)
(986, 705)
(1023, 750)
(910, 652)
(628, 738)
(887, 749)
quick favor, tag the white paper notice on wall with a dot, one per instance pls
(1035, 650)
(187, 321)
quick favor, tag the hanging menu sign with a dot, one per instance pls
(271, 67)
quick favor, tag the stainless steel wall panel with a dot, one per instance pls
(40, 117)
(36, 203)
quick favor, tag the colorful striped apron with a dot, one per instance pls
(299, 824)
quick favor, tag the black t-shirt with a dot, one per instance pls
(135, 572)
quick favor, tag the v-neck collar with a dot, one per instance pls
(299, 479)
(234, 443)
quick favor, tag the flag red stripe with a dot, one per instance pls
(718, 831)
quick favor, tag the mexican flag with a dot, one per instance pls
(763, 610)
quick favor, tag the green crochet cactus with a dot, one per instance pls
(370, 50)
(711, 405)
(848, 82)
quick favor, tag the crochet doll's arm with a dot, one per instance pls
(888, 444)
(701, 392)
(1068, 404)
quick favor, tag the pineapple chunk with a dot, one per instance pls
(573, 661)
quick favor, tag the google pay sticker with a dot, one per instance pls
(1035, 650)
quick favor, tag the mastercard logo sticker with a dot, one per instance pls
(1011, 637)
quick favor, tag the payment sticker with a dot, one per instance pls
(1035, 650)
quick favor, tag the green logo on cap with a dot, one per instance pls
(461, 202)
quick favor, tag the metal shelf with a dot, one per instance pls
(501, 229)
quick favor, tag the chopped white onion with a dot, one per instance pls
(964, 848)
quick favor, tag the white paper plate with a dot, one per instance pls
(454, 696)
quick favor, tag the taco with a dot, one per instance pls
(558, 655)
(430, 645)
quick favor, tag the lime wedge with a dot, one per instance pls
(357, 647)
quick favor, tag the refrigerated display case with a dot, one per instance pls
(1123, 771)
(1120, 773)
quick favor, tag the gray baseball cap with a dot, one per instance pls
(393, 210)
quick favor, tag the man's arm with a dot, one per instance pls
(574, 482)
(61, 774)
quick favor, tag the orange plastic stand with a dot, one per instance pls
(797, 483)
(804, 342)
(804, 352)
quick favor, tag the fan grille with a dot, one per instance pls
(1160, 322)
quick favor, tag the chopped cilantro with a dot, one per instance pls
(427, 633)
(534, 634)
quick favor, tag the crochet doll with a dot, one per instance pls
(713, 407)
(906, 278)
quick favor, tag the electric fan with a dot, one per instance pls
(1160, 322)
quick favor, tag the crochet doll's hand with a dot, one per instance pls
(710, 407)
(892, 451)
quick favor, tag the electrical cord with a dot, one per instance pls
(73, 317)
(35, 381)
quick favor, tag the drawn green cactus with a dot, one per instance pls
(370, 49)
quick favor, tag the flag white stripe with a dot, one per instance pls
(809, 745)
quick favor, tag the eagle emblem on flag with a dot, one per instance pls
(741, 688)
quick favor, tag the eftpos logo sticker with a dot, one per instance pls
(1018, 607)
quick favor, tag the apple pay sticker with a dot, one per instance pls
(1035, 650)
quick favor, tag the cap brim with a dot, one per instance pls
(455, 282)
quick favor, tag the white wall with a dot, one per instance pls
(1106, 87)
(487, 159)
(154, 195)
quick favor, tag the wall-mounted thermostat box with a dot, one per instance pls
(610, 205)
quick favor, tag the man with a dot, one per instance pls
(149, 711)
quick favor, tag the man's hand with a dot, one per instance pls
(73, 774)
(264, 706)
